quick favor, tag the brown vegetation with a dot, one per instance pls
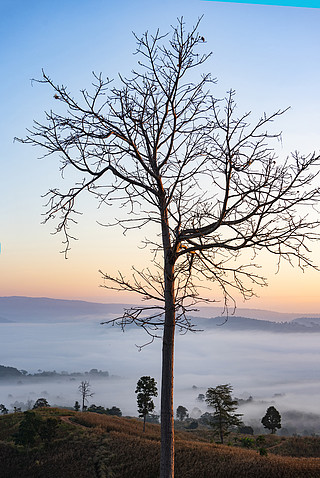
(93, 445)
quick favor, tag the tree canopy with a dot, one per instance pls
(146, 389)
(224, 416)
(272, 420)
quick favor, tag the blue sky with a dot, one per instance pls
(269, 54)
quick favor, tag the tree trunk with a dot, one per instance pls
(144, 423)
(167, 423)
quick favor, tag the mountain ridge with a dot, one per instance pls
(51, 310)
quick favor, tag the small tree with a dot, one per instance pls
(3, 409)
(182, 413)
(41, 402)
(76, 406)
(272, 420)
(85, 390)
(223, 417)
(146, 388)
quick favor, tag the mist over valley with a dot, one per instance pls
(275, 363)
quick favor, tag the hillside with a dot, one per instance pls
(244, 324)
(45, 310)
(85, 445)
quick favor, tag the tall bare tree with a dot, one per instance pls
(176, 157)
(85, 391)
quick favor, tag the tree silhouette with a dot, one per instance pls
(85, 391)
(3, 409)
(182, 413)
(146, 389)
(177, 158)
(224, 406)
(41, 402)
(272, 420)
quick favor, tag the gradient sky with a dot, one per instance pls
(269, 54)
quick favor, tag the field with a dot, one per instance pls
(88, 445)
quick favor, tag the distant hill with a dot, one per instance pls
(9, 372)
(244, 323)
(258, 314)
(47, 310)
(42, 309)
(308, 321)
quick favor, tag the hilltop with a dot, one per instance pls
(84, 445)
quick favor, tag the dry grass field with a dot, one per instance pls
(88, 445)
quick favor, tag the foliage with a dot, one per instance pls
(106, 411)
(224, 406)
(3, 409)
(41, 402)
(76, 406)
(272, 420)
(33, 426)
(146, 389)
(248, 442)
(182, 413)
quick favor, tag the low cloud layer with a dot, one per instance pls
(277, 369)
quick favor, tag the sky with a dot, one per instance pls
(269, 54)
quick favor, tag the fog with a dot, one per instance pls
(275, 368)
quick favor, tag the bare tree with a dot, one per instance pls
(176, 157)
(85, 391)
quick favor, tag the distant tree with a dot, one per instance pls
(3, 409)
(201, 397)
(146, 388)
(85, 391)
(96, 409)
(223, 417)
(182, 413)
(115, 411)
(41, 402)
(205, 418)
(272, 420)
(76, 406)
